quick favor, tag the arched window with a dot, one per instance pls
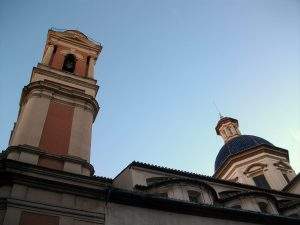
(261, 181)
(263, 207)
(227, 194)
(255, 168)
(286, 177)
(153, 180)
(69, 63)
(195, 196)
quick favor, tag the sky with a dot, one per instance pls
(163, 65)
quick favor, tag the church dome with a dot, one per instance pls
(237, 145)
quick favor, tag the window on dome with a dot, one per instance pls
(286, 177)
(229, 131)
(226, 194)
(69, 63)
(153, 180)
(261, 181)
(195, 197)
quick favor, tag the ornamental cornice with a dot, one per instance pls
(74, 40)
(53, 91)
(45, 70)
(248, 153)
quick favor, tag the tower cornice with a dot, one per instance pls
(74, 38)
(52, 90)
(63, 76)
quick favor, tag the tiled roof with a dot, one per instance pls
(287, 203)
(292, 182)
(206, 178)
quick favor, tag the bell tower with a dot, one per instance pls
(58, 106)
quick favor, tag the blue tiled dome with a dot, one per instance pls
(236, 145)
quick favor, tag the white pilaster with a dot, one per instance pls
(91, 68)
(48, 54)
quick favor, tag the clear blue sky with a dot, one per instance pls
(162, 66)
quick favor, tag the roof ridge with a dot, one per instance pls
(167, 168)
(208, 178)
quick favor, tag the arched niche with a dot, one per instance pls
(254, 201)
(69, 63)
(184, 189)
(255, 168)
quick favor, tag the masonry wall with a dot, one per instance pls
(32, 206)
(127, 215)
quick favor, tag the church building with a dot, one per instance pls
(46, 177)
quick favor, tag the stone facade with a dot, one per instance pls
(47, 178)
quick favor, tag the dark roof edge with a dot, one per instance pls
(291, 183)
(39, 169)
(134, 199)
(128, 166)
(179, 180)
(208, 178)
(251, 193)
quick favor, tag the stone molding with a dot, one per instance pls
(65, 76)
(180, 181)
(282, 166)
(253, 160)
(260, 167)
(62, 158)
(74, 38)
(15, 172)
(246, 154)
(11, 173)
(211, 180)
(55, 210)
(51, 90)
(171, 205)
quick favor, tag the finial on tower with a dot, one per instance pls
(228, 128)
(219, 112)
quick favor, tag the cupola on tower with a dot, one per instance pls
(58, 106)
(250, 159)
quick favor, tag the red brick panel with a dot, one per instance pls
(80, 67)
(51, 163)
(58, 59)
(28, 218)
(57, 129)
